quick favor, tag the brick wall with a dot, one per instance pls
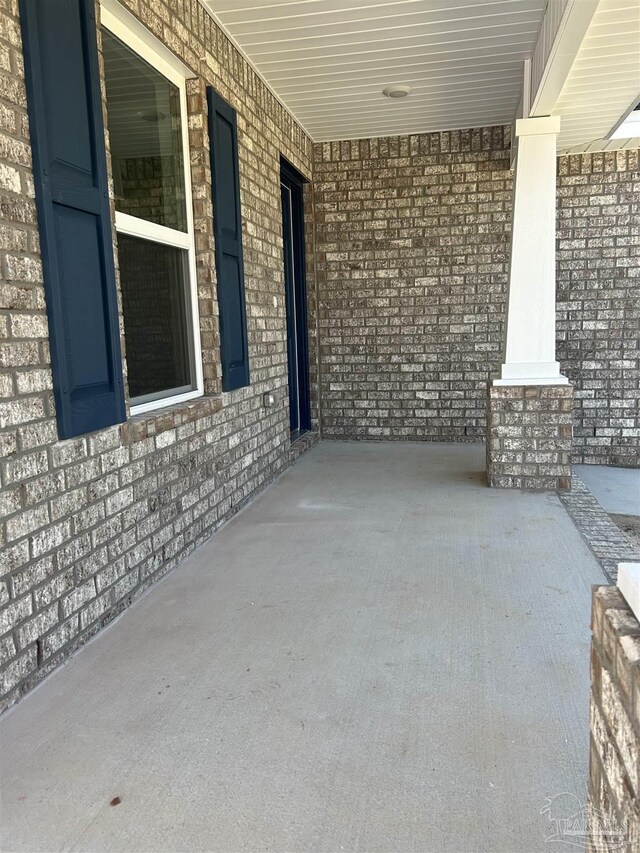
(412, 263)
(412, 241)
(614, 757)
(598, 313)
(88, 524)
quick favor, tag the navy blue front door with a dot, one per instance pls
(296, 299)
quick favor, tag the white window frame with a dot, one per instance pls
(129, 30)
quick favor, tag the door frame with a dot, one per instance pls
(291, 178)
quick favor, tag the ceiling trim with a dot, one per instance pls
(232, 40)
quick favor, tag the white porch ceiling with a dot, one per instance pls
(328, 60)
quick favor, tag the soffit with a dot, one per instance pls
(604, 81)
(328, 60)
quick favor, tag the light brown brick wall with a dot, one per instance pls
(412, 249)
(412, 261)
(598, 303)
(88, 524)
(614, 762)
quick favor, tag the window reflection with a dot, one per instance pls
(145, 137)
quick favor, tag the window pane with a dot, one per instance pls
(153, 278)
(145, 136)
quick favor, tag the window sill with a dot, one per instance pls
(146, 424)
(166, 402)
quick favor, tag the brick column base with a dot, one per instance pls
(529, 430)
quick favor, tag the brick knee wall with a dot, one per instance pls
(529, 436)
(614, 755)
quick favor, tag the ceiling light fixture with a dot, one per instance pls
(397, 90)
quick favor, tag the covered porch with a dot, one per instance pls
(310, 276)
(378, 654)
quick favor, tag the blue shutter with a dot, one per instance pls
(228, 236)
(70, 170)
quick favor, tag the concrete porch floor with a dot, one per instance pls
(617, 490)
(379, 654)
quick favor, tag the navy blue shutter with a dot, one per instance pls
(223, 140)
(65, 115)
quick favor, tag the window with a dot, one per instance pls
(146, 115)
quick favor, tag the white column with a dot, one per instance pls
(530, 344)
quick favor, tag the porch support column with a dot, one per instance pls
(530, 403)
(530, 345)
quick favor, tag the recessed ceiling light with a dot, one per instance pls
(398, 90)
